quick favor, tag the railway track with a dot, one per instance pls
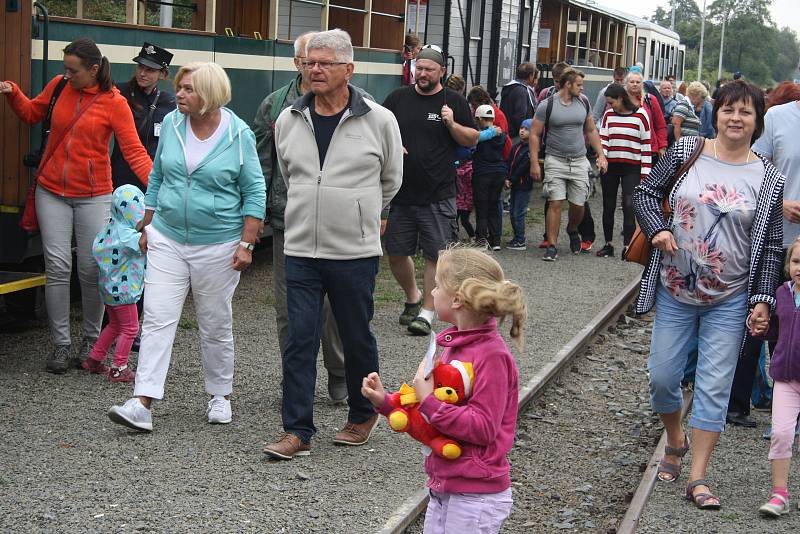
(415, 505)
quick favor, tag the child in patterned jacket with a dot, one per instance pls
(121, 263)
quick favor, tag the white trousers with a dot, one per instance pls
(171, 269)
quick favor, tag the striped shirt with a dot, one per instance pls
(626, 139)
(691, 123)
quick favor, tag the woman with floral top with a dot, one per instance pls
(716, 258)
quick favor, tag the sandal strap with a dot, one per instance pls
(680, 452)
(669, 468)
(780, 497)
(699, 482)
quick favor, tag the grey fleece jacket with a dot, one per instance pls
(263, 129)
(333, 210)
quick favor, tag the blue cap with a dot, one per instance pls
(526, 124)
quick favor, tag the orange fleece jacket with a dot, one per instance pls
(80, 166)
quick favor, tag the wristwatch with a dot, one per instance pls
(246, 245)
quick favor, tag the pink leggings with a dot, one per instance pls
(123, 325)
(785, 408)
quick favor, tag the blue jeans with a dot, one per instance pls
(349, 285)
(519, 206)
(717, 330)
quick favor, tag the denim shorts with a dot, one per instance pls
(717, 331)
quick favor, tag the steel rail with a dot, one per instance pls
(408, 512)
(630, 522)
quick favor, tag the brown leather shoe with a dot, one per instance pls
(356, 434)
(287, 447)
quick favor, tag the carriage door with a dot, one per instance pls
(15, 64)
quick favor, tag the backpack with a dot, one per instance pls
(549, 110)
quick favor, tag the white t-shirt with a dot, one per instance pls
(196, 150)
(779, 143)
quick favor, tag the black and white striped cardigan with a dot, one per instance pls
(766, 252)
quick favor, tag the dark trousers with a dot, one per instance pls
(463, 218)
(742, 387)
(486, 189)
(350, 285)
(586, 226)
(611, 182)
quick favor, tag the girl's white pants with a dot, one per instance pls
(172, 268)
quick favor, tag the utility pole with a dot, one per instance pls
(702, 37)
(672, 22)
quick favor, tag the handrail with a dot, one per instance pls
(45, 39)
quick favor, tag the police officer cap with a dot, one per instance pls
(153, 56)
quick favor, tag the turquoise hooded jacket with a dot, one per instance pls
(116, 249)
(208, 206)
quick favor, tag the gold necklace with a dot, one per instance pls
(749, 152)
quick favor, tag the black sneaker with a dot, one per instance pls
(606, 252)
(410, 311)
(59, 359)
(575, 243)
(516, 245)
(550, 254)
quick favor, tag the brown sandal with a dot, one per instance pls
(667, 468)
(701, 499)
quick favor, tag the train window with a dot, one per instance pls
(388, 28)
(349, 16)
(583, 38)
(475, 23)
(526, 24)
(181, 15)
(296, 17)
(641, 50)
(572, 35)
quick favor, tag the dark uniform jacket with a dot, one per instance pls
(147, 126)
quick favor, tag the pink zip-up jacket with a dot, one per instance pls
(485, 425)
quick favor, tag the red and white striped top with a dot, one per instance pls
(626, 139)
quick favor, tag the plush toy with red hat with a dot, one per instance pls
(453, 385)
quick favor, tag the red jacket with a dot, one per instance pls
(658, 125)
(501, 121)
(80, 165)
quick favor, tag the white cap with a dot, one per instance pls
(485, 111)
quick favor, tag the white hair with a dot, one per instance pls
(302, 38)
(337, 40)
(634, 73)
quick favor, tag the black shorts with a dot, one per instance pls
(430, 227)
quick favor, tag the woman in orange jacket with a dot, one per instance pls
(74, 183)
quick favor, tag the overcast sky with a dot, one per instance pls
(784, 12)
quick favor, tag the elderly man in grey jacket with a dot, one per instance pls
(335, 195)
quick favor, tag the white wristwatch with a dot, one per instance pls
(248, 246)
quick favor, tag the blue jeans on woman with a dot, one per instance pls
(717, 330)
(518, 207)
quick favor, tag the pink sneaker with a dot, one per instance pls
(126, 374)
(96, 367)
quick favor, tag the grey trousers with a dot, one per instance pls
(332, 351)
(59, 218)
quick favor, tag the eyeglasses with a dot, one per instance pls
(324, 65)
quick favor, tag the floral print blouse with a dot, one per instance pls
(714, 209)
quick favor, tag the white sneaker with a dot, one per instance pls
(219, 411)
(132, 414)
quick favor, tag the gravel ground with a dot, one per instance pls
(739, 474)
(64, 467)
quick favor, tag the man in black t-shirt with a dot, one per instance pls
(433, 121)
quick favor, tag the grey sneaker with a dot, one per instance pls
(551, 254)
(83, 352)
(410, 311)
(219, 411)
(58, 362)
(337, 389)
(132, 414)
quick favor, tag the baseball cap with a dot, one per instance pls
(432, 52)
(485, 111)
